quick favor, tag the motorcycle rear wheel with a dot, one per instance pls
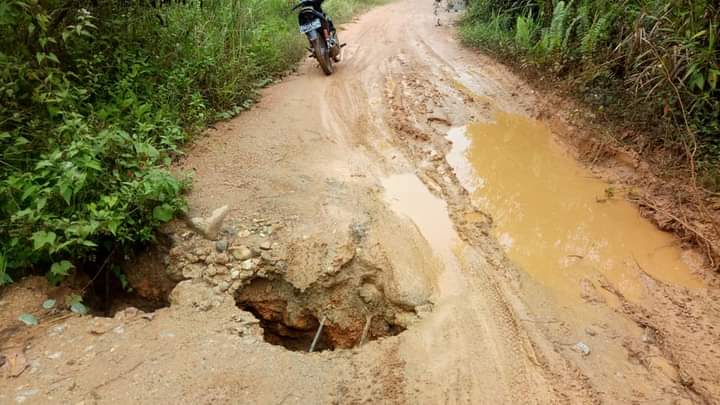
(322, 54)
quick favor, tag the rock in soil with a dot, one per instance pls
(248, 264)
(221, 245)
(242, 253)
(370, 294)
(194, 293)
(582, 348)
(210, 226)
(192, 271)
(221, 258)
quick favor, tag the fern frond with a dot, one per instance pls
(596, 34)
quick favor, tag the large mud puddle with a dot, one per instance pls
(552, 217)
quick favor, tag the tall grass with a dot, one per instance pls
(343, 10)
(654, 62)
(495, 32)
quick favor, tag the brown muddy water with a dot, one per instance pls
(408, 197)
(553, 218)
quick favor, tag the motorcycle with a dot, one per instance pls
(324, 44)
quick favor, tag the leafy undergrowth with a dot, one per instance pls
(651, 64)
(342, 11)
(96, 100)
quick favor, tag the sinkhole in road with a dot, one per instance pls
(291, 318)
(108, 292)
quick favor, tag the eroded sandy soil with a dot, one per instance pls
(353, 203)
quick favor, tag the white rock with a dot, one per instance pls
(582, 348)
(248, 264)
(210, 226)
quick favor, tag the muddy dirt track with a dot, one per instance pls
(350, 206)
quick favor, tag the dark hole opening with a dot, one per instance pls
(278, 333)
(107, 295)
(287, 317)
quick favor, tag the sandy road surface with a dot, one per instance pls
(346, 176)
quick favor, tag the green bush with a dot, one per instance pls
(494, 31)
(343, 10)
(665, 52)
(96, 99)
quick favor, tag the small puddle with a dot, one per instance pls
(408, 196)
(548, 211)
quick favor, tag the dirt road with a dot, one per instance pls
(348, 208)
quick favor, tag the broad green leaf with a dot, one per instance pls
(163, 213)
(28, 319)
(93, 164)
(697, 80)
(51, 56)
(29, 191)
(7, 15)
(66, 192)
(40, 203)
(42, 238)
(113, 226)
(110, 200)
(61, 268)
(4, 277)
(147, 150)
(43, 164)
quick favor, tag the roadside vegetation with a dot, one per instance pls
(97, 99)
(654, 64)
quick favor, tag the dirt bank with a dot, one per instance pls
(345, 211)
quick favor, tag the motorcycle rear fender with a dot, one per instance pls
(313, 35)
